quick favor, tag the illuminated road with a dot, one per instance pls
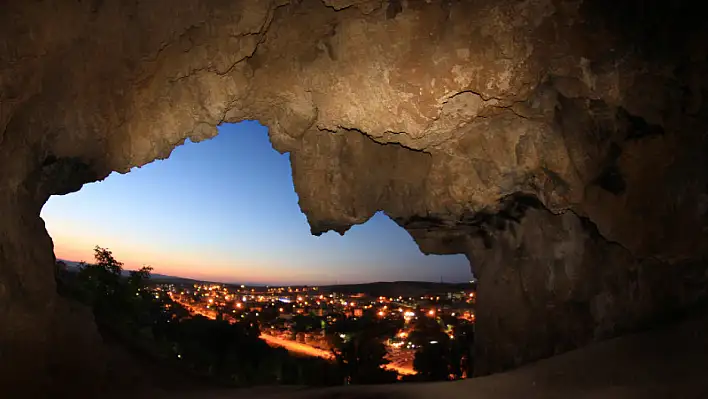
(297, 347)
(293, 346)
(308, 350)
(399, 369)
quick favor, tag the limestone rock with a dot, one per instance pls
(560, 145)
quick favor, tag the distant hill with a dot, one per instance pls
(381, 288)
(398, 288)
(157, 277)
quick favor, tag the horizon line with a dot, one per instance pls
(294, 284)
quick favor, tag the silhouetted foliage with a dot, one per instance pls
(440, 356)
(464, 349)
(361, 359)
(359, 351)
(305, 323)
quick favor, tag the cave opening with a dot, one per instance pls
(225, 211)
(228, 197)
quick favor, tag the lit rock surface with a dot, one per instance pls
(559, 145)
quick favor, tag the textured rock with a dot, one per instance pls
(559, 145)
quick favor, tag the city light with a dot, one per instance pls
(329, 307)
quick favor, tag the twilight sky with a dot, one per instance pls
(225, 209)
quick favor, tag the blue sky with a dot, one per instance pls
(225, 209)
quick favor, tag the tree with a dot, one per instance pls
(306, 323)
(361, 360)
(137, 278)
(359, 350)
(104, 259)
(464, 348)
(101, 280)
(433, 358)
(116, 300)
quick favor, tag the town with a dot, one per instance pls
(304, 319)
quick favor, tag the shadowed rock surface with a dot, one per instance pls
(560, 145)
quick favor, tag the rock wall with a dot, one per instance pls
(560, 145)
(555, 283)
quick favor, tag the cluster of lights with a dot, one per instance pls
(298, 303)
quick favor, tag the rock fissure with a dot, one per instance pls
(476, 93)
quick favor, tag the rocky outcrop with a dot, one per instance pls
(559, 145)
(563, 282)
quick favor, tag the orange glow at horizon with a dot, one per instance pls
(71, 249)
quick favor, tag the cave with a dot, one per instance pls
(560, 146)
